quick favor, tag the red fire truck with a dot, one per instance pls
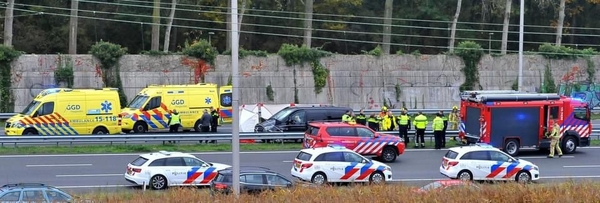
(513, 121)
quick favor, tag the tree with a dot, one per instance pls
(154, 46)
(453, 29)
(8, 23)
(241, 16)
(308, 15)
(505, 26)
(168, 30)
(387, 25)
(73, 21)
(561, 21)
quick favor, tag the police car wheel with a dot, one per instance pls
(158, 182)
(319, 178)
(377, 178)
(523, 177)
(388, 154)
(465, 176)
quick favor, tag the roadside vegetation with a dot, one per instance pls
(498, 193)
(139, 148)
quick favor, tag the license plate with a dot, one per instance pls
(445, 163)
(129, 172)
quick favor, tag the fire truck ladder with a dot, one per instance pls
(468, 94)
(513, 97)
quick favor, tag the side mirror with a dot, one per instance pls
(376, 135)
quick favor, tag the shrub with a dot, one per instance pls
(202, 50)
(109, 55)
(471, 53)
(298, 55)
(497, 193)
(7, 55)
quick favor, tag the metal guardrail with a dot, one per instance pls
(16, 140)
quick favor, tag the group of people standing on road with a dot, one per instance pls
(386, 121)
(208, 122)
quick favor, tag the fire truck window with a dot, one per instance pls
(554, 112)
(581, 113)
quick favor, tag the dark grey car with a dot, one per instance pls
(33, 192)
(252, 180)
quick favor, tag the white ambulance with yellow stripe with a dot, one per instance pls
(65, 111)
(152, 107)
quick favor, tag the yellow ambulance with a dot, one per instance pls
(65, 111)
(152, 107)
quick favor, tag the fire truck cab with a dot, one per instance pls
(513, 121)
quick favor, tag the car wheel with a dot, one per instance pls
(319, 179)
(139, 127)
(568, 145)
(465, 176)
(30, 132)
(100, 131)
(388, 154)
(511, 147)
(198, 126)
(523, 177)
(377, 178)
(158, 182)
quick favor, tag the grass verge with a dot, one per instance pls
(497, 193)
(115, 149)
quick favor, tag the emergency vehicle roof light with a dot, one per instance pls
(335, 146)
(468, 94)
(166, 153)
(484, 145)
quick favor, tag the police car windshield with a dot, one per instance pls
(281, 115)
(137, 102)
(30, 108)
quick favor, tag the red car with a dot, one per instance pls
(446, 184)
(356, 137)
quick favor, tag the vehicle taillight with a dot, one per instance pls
(453, 163)
(220, 186)
(137, 170)
(304, 166)
(119, 119)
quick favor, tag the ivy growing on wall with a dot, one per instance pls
(270, 93)
(398, 92)
(377, 51)
(471, 53)
(7, 55)
(548, 86)
(550, 51)
(298, 55)
(64, 72)
(109, 54)
(202, 50)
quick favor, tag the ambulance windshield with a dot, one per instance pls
(137, 102)
(30, 108)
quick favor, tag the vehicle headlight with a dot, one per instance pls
(536, 168)
(128, 116)
(387, 168)
(401, 140)
(17, 125)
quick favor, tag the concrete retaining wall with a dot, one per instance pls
(426, 81)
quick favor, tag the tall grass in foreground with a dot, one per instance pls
(566, 192)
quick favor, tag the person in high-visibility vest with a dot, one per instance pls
(438, 130)
(174, 122)
(361, 118)
(373, 123)
(404, 126)
(445, 119)
(454, 119)
(347, 117)
(393, 121)
(555, 142)
(420, 122)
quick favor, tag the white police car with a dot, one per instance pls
(163, 169)
(336, 163)
(485, 162)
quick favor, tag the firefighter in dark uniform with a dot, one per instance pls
(361, 118)
(445, 119)
(373, 122)
(404, 126)
(214, 121)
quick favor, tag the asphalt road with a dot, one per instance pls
(81, 173)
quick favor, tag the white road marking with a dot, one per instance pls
(543, 157)
(58, 165)
(88, 175)
(288, 161)
(583, 166)
(92, 186)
